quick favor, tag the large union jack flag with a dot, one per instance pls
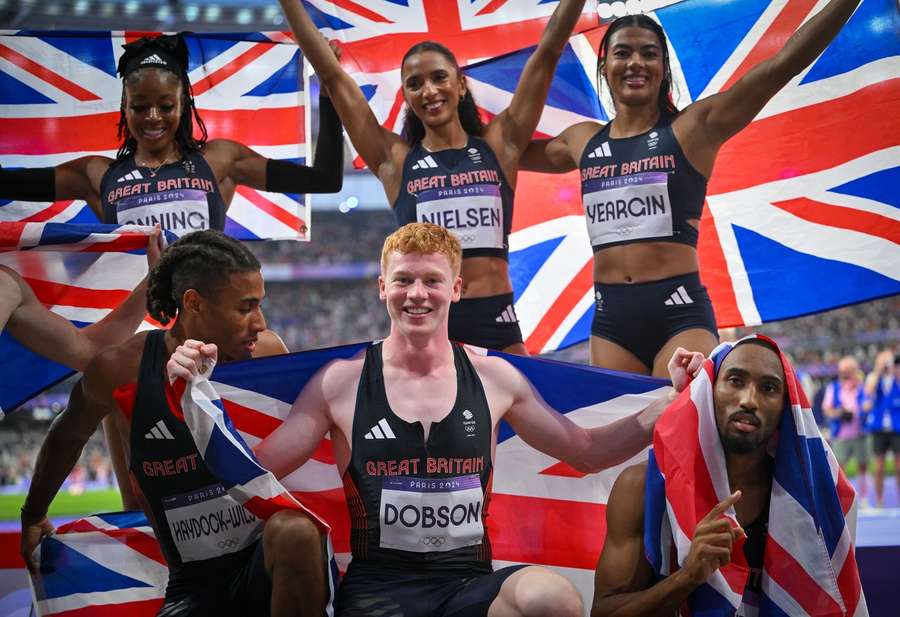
(60, 99)
(803, 199)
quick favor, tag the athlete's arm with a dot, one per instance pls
(54, 337)
(76, 179)
(247, 167)
(558, 154)
(706, 124)
(511, 131)
(62, 446)
(623, 580)
(10, 295)
(381, 149)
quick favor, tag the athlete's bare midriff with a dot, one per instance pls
(643, 262)
(485, 276)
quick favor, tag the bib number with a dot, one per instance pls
(627, 208)
(474, 213)
(208, 523)
(178, 211)
(424, 515)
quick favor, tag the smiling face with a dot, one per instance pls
(232, 317)
(749, 396)
(153, 105)
(417, 289)
(634, 66)
(432, 87)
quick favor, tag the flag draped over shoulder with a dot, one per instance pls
(80, 272)
(60, 100)
(804, 191)
(542, 511)
(809, 563)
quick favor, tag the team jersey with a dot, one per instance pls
(640, 188)
(182, 196)
(414, 501)
(460, 189)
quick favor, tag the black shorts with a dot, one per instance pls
(374, 589)
(883, 441)
(642, 317)
(489, 322)
(235, 585)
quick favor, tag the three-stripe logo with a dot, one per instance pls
(679, 296)
(426, 163)
(159, 431)
(601, 151)
(382, 430)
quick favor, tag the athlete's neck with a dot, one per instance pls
(751, 474)
(165, 154)
(420, 356)
(631, 121)
(445, 137)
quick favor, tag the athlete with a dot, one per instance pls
(162, 173)
(54, 337)
(212, 287)
(413, 422)
(447, 167)
(643, 183)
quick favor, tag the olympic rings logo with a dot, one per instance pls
(470, 429)
(434, 540)
(229, 543)
(467, 239)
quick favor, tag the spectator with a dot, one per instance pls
(883, 402)
(843, 405)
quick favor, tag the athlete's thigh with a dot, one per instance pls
(694, 339)
(606, 354)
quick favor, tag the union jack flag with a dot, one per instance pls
(809, 565)
(60, 99)
(802, 199)
(78, 271)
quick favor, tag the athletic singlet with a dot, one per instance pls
(182, 196)
(754, 551)
(460, 189)
(414, 502)
(640, 188)
(195, 519)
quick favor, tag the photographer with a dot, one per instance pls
(844, 406)
(883, 416)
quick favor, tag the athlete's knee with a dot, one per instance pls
(290, 535)
(544, 593)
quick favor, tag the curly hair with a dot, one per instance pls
(425, 238)
(174, 48)
(413, 127)
(202, 260)
(665, 102)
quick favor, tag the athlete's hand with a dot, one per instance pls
(154, 247)
(684, 364)
(714, 537)
(190, 359)
(654, 410)
(32, 534)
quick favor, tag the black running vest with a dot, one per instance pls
(640, 188)
(418, 503)
(182, 197)
(196, 523)
(460, 189)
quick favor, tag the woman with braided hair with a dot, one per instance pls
(162, 173)
(212, 287)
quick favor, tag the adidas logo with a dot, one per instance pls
(382, 430)
(133, 175)
(159, 431)
(426, 163)
(154, 59)
(508, 315)
(600, 151)
(679, 296)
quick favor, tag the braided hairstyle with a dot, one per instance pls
(168, 53)
(413, 127)
(202, 260)
(665, 102)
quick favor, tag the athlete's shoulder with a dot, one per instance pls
(492, 367)
(341, 376)
(116, 365)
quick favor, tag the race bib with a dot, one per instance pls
(208, 523)
(179, 211)
(628, 208)
(423, 515)
(474, 213)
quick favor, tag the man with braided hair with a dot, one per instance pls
(222, 560)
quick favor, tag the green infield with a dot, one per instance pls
(66, 504)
